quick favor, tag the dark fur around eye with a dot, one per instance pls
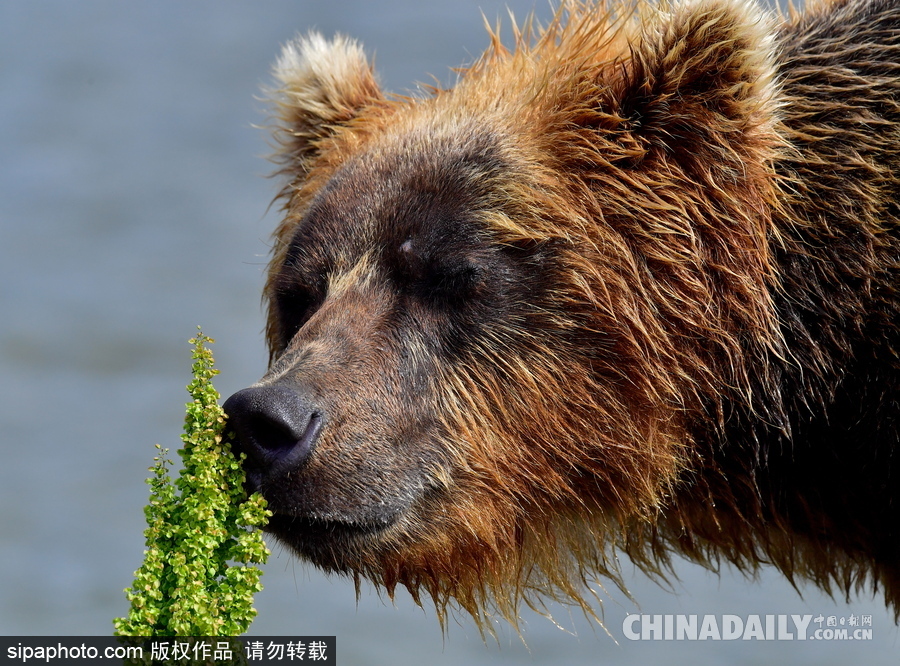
(295, 305)
(447, 279)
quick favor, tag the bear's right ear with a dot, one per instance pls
(322, 85)
(702, 81)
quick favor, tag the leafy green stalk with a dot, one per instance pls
(198, 577)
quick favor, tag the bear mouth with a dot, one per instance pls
(331, 544)
(288, 519)
(330, 531)
(283, 523)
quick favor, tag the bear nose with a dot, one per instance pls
(274, 426)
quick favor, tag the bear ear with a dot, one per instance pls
(701, 77)
(322, 85)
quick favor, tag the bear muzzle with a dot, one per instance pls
(276, 427)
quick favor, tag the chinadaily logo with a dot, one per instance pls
(638, 627)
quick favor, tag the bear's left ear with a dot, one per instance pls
(322, 85)
(701, 78)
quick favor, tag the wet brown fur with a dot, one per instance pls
(672, 327)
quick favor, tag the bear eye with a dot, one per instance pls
(450, 281)
(449, 278)
(460, 279)
(295, 305)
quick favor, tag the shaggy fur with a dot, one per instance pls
(628, 287)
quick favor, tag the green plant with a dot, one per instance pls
(198, 577)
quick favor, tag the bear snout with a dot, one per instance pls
(276, 427)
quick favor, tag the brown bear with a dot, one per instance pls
(629, 287)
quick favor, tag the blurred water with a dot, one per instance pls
(133, 207)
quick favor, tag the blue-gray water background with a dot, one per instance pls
(133, 206)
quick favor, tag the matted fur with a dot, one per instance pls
(702, 197)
